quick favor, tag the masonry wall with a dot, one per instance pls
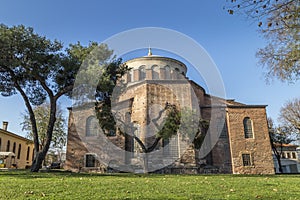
(259, 147)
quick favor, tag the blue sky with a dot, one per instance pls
(231, 41)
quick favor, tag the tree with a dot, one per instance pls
(278, 137)
(278, 22)
(39, 69)
(290, 116)
(42, 113)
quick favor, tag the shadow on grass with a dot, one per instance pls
(26, 174)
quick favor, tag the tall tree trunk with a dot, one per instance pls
(40, 156)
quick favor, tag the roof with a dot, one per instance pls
(285, 145)
(7, 154)
(15, 135)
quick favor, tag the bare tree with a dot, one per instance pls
(278, 22)
(290, 116)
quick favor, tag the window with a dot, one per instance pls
(91, 126)
(19, 151)
(155, 72)
(288, 155)
(282, 155)
(8, 145)
(221, 130)
(0, 143)
(28, 151)
(111, 133)
(142, 71)
(170, 146)
(90, 160)
(248, 127)
(246, 160)
(14, 148)
(168, 73)
(32, 155)
(293, 155)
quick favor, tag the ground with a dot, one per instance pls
(65, 185)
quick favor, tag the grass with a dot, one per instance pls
(65, 185)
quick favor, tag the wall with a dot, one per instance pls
(22, 161)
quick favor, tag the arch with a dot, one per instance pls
(142, 72)
(248, 127)
(19, 151)
(8, 146)
(14, 148)
(28, 151)
(167, 72)
(155, 72)
(91, 126)
(0, 143)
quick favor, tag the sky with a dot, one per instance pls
(230, 40)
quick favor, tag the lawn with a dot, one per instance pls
(65, 185)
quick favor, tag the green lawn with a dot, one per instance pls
(64, 185)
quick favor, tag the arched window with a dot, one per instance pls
(155, 72)
(14, 148)
(168, 73)
(0, 143)
(8, 145)
(248, 127)
(91, 126)
(28, 153)
(19, 151)
(176, 73)
(142, 71)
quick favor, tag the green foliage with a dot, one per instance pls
(278, 21)
(26, 59)
(64, 185)
(171, 123)
(193, 126)
(108, 83)
(39, 69)
(42, 113)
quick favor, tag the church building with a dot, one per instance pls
(235, 141)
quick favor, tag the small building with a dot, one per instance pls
(15, 151)
(290, 160)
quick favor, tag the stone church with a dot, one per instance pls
(236, 140)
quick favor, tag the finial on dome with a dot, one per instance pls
(149, 52)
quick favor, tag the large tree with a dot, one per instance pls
(278, 22)
(39, 69)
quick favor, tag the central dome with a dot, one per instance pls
(155, 67)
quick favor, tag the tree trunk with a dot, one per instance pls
(40, 157)
(145, 158)
(37, 162)
(279, 163)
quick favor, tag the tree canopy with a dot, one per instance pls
(278, 22)
(39, 69)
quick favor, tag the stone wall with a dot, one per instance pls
(259, 147)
